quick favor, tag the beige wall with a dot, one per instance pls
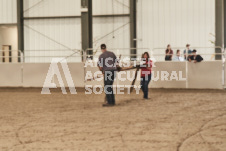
(34, 75)
(8, 36)
(205, 75)
(10, 75)
(169, 67)
(77, 72)
(225, 75)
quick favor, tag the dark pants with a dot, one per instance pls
(109, 77)
(168, 58)
(144, 85)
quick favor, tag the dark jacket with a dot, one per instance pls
(170, 56)
(198, 58)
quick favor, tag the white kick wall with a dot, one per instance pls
(8, 12)
(198, 77)
(176, 22)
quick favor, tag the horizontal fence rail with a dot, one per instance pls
(11, 56)
(208, 53)
(46, 56)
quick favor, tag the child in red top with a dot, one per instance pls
(146, 74)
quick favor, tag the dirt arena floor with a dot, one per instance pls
(173, 120)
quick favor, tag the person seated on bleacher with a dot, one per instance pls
(187, 52)
(169, 53)
(178, 57)
(194, 57)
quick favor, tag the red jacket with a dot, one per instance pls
(145, 71)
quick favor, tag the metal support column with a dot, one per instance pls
(133, 27)
(219, 15)
(20, 24)
(87, 25)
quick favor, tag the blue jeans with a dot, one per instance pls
(109, 77)
(144, 85)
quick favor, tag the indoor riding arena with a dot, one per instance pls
(112, 75)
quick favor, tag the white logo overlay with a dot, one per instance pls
(54, 70)
(127, 76)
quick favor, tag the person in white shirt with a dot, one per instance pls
(178, 57)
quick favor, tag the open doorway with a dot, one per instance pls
(8, 44)
(6, 53)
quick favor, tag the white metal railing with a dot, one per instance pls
(45, 56)
(11, 56)
(39, 56)
(159, 53)
(76, 55)
(123, 52)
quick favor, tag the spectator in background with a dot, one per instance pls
(178, 57)
(187, 52)
(194, 57)
(169, 53)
